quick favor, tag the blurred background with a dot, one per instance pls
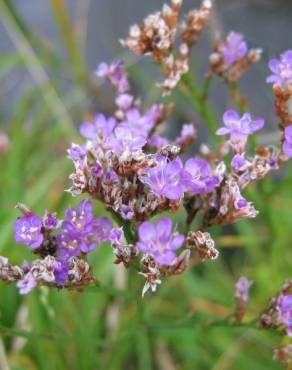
(49, 52)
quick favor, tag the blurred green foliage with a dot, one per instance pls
(107, 327)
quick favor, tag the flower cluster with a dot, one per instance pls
(279, 313)
(137, 174)
(231, 58)
(281, 78)
(61, 246)
(241, 296)
(281, 69)
(156, 37)
(239, 128)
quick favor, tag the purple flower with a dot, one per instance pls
(281, 69)
(287, 145)
(142, 124)
(81, 216)
(61, 270)
(81, 232)
(242, 288)
(50, 221)
(158, 241)
(234, 49)
(101, 229)
(157, 141)
(167, 178)
(28, 230)
(25, 266)
(124, 101)
(202, 180)
(127, 211)
(115, 74)
(188, 133)
(239, 163)
(27, 284)
(116, 236)
(111, 177)
(240, 203)
(239, 128)
(76, 152)
(99, 130)
(284, 306)
(96, 170)
(124, 140)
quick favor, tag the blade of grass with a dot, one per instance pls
(36, 70)
(63, 21)
(44, 50)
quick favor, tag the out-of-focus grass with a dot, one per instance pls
(107, 327)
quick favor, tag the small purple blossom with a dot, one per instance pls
(27, 284)
(124, 101)
(116, 236)
(284, 306)
(242, 288)
(188, 132)
(99, 130)
(61, 270)
(142, 124)
(101, 229)
(234, 49)
(124, 140)
(157, 141)
(202, 180)
(50, 221)
(127, 211)
(96, 170)
(239, 163)
(158, 241)
(281, 69)
(167, 178)
(81, 232)
(25, 266)
(28, 230)
(111, 177)
(80, 216)
(287, 144)
(76, 152)
(115, 74)
(239, 128)
(240, 203)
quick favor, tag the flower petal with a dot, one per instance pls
(274, 65)
(223, 131)
(166, 259)
(287, 148)
(147, 232)
(257, 124)
(173, 192)
(177, 241)
(230, 117)
(163, 228)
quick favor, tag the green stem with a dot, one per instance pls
(63, 21)
(199, 102)
(127, 227)
(239, 100)
(206, 87)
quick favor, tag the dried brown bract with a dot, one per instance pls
(204, 245)
(283, 104)
(195, 22)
